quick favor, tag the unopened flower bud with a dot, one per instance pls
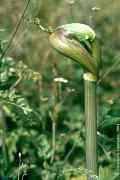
(75, 41)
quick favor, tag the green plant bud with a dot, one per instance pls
(74, 41)
(82, 32)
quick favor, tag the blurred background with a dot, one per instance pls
(42, 92)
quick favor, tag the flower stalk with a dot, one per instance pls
(79, 42)
(90, 123)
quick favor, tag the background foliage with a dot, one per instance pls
(33, 103)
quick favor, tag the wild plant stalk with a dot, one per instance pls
(53, 119)
(19, 167)
(53, 138)
(22, 168)
(118, 151)
(78, 42)
(53, 115)
(91, 123)
(3, 138)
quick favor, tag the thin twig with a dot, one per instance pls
(16, 30)
(53, 136)
(16, 83)
(36, 21)
(53, 139)
(70, 152)
(109, 70)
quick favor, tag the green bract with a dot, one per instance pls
(81, 31)
(75, 41)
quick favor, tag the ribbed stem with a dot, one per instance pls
(91, 125)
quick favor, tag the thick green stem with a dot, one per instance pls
(91, 125)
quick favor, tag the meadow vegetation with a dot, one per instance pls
(42, 122)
